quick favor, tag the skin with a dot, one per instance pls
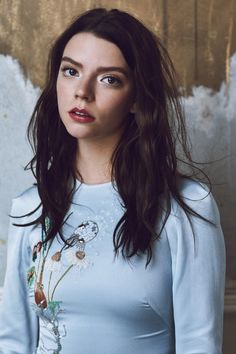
(84, 81)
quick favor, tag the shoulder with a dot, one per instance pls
(192, 189)
(197, 196)
(22, 212)
(25, 202)
(198, 220)
(194, 236)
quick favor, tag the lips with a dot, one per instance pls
(81, 115)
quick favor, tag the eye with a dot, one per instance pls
(69, 71)
(111, 80)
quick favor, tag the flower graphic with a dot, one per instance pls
(53, 264)
(78, 259)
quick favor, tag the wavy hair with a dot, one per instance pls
(144, 162)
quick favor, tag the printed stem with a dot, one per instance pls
(59, 280)
(49, 284)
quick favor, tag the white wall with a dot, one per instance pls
(17, 98)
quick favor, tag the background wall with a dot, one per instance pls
(201, 38)
(200, 34)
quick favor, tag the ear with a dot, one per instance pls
(133, 108)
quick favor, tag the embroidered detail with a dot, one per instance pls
(86, 231)
(80, 263)
(56, 257)
(80, 254)
(49, 317)
(37, 248)
(46, 308)
(31, 276)
(53, 266)
(39, 296)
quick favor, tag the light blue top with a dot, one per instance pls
(94, 303)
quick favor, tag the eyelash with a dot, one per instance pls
(117, 82)
(65, 69)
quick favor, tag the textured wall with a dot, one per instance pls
(200, 34)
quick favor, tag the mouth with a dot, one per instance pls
(81, 115)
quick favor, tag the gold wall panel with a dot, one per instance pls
(200, 34)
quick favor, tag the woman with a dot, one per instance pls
(123, 253)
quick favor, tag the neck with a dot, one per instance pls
(93, 162)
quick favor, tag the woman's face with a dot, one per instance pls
(95, 89)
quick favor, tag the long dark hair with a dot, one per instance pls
(144, 163)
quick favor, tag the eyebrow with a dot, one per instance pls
(100, 69)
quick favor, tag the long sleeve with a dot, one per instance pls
(198, 267)
(18, 323)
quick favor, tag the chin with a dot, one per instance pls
(79, 133)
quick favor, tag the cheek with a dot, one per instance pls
(120, 103)
(59, 95)
(60, 91)
(62, 96)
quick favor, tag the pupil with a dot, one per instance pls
(111, 80)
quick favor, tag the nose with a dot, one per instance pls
(84, 89)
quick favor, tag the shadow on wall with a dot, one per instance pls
(211, 118)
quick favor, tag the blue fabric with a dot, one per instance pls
(101, 304)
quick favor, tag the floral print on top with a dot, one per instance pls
(51, 265)
(46, 308)
(116, 305)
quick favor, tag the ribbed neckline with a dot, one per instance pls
(98, 185)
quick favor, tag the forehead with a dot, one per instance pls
(85, 48)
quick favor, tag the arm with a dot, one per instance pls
(18, 323)
(198, 266)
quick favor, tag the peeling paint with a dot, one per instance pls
(229, 45)
(209, 32)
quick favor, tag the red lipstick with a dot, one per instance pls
(81, 115)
